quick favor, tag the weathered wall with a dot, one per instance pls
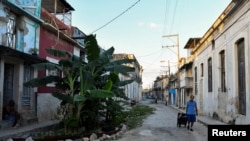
(224, 105)
(47, 107)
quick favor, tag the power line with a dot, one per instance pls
(173, 16)
(149, 54)
(116, 17)
(165, 17)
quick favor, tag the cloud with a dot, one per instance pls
(151, 25)
(140, 24)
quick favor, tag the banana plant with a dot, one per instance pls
(102, 68)
(83, 86)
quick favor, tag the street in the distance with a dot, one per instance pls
(162, 126)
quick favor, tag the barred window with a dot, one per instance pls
(210, 75)
(202, 71)
(195, 74)
(222, 71)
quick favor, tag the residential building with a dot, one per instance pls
(133, 90)
(19, 40)
(186, 80)
(173, 88)
(221, 66)
(79, 50)
(160, 87)
(157, 88)
(56, 32)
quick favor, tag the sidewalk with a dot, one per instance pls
(25, 131)
(203, 119)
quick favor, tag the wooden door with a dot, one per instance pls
(241, 77)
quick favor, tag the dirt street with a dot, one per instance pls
(162, 126)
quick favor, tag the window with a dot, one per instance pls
(241, 76)
(53, 72)
(201, 69)
(222, 71)
(27, 91)
(213, 44)
(210, 76)
(195, 81)
(11, 33)
(83, 56)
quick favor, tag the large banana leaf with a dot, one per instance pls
(107, 54)
(114, 76)
(76, 58)
(108, 85)
(125, 82)
(46, 66)
(63, 97)
(66, 63)
(119, 68)
(42, 81)
(99, 93)
(101, 60)
(93, 50)
(69, 62)
(87, 80)
(79, 98)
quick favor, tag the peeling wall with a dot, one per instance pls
(47, 107)
(28, 32)
(31, 6)
(217, 104)
(26, 35)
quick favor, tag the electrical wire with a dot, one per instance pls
(150, 54)
(116, 17)
(165, 17)
(173, 16)
(152, 63)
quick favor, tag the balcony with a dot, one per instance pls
(55, 22)
(187, 82)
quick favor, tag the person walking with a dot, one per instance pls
(166, 100)
(192, 112)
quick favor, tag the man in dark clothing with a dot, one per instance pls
(10, 113)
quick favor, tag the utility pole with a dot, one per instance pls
(175, 45)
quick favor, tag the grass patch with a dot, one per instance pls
(132, 118)
(135, 117)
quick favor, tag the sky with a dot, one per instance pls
(152, 30)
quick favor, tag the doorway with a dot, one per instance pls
(8, 91)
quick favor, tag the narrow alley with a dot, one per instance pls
(162, 126)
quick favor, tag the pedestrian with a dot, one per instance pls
(166, 100)
(192, 112)
(11, 114)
